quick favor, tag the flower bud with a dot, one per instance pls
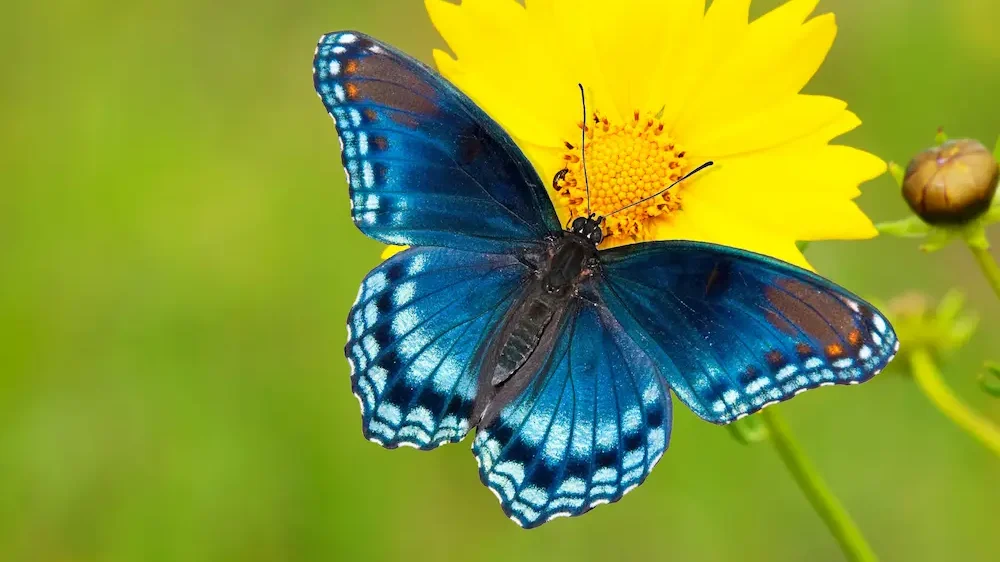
(952, 183)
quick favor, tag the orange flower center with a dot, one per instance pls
(626, 163)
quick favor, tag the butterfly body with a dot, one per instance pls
(563, 356)
(523, 342)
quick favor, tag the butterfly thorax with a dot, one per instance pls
(527, 334)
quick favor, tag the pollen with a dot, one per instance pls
(626, 163)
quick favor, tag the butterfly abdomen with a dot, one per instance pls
(524, 337)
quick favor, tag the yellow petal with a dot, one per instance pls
(844, 221)
(507, 63)
(637, 43)
(700, 221)
(800, 189)
(547, 161)
(764, 69)
(789, 120)
(786, 16)
(688, 67)
(804, 167)
(846, 164)
(391, 250)
(807, 215)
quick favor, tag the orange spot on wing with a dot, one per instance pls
(351, 67)
(854, 337)
(352, 92)
(834, 350)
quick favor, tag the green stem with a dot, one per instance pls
(989, 266)
(928, 378)
(829, 508)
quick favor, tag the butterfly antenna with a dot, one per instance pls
(682, 178)
(583, 143)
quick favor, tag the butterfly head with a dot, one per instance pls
(589, 227)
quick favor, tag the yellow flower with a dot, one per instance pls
(669, 86)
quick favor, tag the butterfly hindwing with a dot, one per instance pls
(735, 331)
(424, 164)
(586, 430)
(413, 333)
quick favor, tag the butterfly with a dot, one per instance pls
(563, 356)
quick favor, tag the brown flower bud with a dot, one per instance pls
(952, 183)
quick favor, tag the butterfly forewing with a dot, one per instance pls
(424, 164)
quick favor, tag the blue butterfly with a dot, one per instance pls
(560, 354)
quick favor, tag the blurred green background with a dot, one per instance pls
(178, 260)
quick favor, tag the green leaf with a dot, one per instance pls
(940, 138)
(989, 380)
(897, 172)
(996, 149)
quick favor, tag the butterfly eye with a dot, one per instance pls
(555, 289)
(578, 224)
(596, 235)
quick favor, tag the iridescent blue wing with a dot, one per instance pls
(413, 334)
(585, 431)
(734, 331)
(425, 165)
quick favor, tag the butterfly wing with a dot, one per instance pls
(585, 431)
(424, 164)
(413, 334)
(735, 331)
